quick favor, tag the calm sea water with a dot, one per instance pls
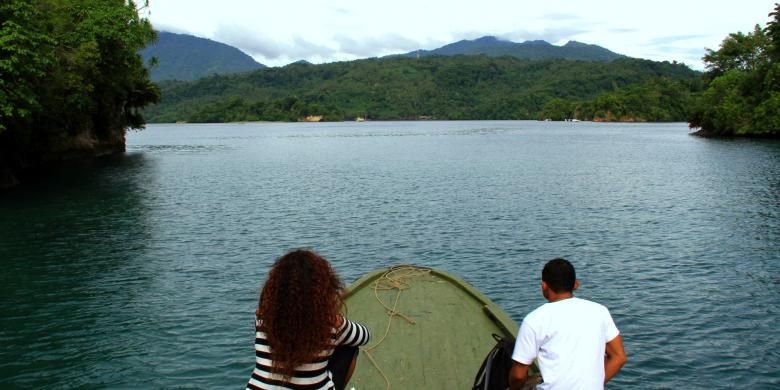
(143, 271)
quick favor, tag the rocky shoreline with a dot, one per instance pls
(709, 134)
(85, 145)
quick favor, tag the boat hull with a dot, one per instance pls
(430, 329)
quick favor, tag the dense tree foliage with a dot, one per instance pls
(70, 77)
(743, 95)
(658, 100)
(437, 87)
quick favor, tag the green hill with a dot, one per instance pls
(186, 57)
(436, 87)
(535, 50)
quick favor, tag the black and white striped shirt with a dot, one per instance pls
(312, 376)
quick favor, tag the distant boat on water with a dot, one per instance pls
(312, 118)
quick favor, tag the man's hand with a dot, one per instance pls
(518, 375)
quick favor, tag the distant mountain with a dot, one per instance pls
(186, 57)
(535, 50)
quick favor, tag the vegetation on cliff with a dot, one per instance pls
(743, 93)
(71, 81)
(438, 87)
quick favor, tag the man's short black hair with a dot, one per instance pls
(559, 275)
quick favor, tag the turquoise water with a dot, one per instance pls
(142, 271)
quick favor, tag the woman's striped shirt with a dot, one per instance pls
(312, 376)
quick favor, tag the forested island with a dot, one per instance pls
(72, 80)
(438, 87)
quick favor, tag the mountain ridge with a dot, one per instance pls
(187, 57)
(492, 46)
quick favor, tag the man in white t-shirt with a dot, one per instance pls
(574, 341)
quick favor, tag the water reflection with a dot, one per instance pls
(69, 257)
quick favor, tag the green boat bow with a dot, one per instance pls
(430, 329)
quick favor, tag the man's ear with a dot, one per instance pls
(576, 284)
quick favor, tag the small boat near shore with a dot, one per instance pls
(430, 329)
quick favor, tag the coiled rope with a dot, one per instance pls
(397, 279)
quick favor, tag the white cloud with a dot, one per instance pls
(551, 35)
(249, 41)
(375, 45)
(172, 29)
(674, 39)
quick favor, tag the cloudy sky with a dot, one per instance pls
(279, 32)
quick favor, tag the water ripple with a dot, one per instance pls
(145, 271)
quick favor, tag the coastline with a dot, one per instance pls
(709, 134)
(16, 167)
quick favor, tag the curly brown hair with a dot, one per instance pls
(299, 306)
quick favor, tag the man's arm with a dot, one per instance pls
(518, 375)
(615, 358)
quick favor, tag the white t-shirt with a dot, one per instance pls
(568, 339)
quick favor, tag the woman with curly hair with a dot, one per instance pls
(302, 341)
